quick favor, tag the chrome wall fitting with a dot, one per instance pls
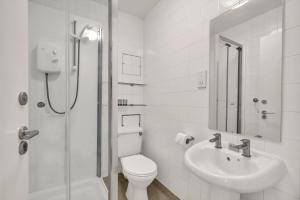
(189, 140)
(23, 147)
(23, 98)
(25, 134)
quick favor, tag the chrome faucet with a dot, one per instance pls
(217, 140)
(245, 146)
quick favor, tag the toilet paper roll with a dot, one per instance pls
(181, 138)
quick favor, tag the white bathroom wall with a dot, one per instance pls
(130, 42)
(47, 158)
(176, 50)
(176, 43)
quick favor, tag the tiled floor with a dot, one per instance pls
(156, 191)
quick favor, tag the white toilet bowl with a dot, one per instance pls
(140, 172)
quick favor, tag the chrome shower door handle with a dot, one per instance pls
(264, 112)
(25, 134)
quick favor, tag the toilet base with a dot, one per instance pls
(136, 193)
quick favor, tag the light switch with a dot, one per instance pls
(202, 79)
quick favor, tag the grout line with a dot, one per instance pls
(292, 27)
(292, 55)
(287, 111)
(291, 83)
(291, 111)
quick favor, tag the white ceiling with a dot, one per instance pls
(139, 8)
(104, 2)
(236, 16)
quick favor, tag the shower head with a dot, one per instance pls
(87, 33)
(85, 28)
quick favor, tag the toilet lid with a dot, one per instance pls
(138, 165)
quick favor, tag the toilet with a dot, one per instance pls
(138, 169)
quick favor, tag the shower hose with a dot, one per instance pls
(77, 86)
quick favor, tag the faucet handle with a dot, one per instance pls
(246, 148)
(217, 140)
(245, 141)
(217, 135)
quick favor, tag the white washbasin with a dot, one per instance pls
(229, 169)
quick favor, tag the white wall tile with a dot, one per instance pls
(291, 97)
(292, 14)
(292, 39)
(291, 125)
(292, 69)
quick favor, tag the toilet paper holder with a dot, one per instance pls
(189, 139)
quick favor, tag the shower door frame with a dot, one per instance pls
(113, 99)
(99, 103)
(112, 102)
(112, 186)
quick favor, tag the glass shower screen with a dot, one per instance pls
(68, 86)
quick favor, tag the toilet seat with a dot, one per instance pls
(139, 165)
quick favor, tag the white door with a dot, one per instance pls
(270, 72)
(13, 79)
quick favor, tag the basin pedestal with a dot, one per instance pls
(218, 193)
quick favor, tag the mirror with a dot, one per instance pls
(246, 69)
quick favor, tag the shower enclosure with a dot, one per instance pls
(68, 90)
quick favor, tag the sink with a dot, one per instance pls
(229, 169)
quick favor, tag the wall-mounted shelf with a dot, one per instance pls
(132, 84)
(128, 105)
(130, 115)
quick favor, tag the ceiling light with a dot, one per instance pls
(240, 4)
(229, 3)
